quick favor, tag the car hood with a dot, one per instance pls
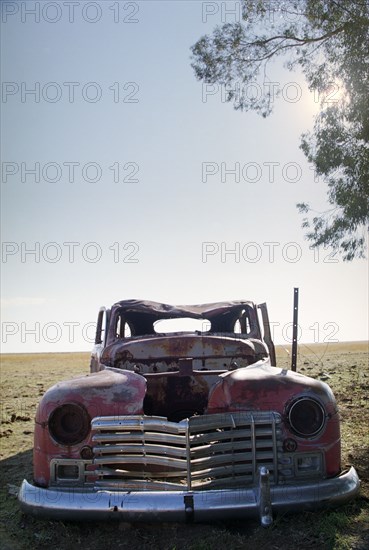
(177, 346)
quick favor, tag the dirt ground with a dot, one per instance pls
(24, 379)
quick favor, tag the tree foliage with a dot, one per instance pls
(329, 41)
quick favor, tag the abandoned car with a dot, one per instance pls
(186, 426)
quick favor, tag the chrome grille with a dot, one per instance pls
(203, 452)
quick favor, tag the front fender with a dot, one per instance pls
(110, 392)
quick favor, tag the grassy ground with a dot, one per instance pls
(24, 378)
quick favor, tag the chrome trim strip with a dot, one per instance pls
(275, 459)
(253, 449)
(138, 423)
(188, 455)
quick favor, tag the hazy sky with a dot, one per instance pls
(124, 177)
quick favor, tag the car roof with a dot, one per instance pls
(166, 311)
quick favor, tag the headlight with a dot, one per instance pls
(306, 417)
(69, 424)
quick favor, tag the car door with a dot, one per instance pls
(102, 326)
(267, 333)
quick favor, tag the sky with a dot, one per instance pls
(125, 177)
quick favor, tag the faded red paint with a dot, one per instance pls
(265, 388)
(106, 393)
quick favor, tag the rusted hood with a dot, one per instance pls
(171, 347)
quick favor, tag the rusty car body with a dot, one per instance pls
(186, 426)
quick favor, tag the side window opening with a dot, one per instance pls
(122, 330)
(242, 325)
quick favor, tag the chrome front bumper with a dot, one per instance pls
(261, 501)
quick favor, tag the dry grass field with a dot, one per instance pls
(24, 379)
